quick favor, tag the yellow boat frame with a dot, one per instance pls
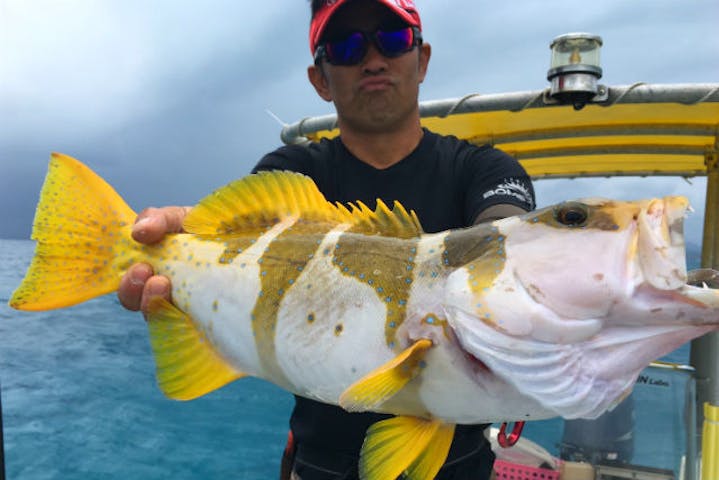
(638, 130)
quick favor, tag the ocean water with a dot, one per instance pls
(80, 402)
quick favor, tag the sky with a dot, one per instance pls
(169, 99)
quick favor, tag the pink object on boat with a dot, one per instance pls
(514, 471)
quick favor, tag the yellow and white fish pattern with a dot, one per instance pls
(550, 313)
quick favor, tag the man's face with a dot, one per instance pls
(379, 93)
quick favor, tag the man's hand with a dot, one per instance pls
(140, 283)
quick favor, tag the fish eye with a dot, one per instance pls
(572, 214)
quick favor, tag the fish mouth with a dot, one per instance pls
(702, 287)
(661, 255)
(704, 278)
(660, 248)
(658, 272)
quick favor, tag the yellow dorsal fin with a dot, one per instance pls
(410, 445)
(392, 223)
(257, 202)
(187, 365)
(384, 382)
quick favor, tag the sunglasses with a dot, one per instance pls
(351, 49)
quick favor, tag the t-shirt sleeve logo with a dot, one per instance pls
(516, 188)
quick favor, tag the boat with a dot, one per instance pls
(577, 128)
(645, 130)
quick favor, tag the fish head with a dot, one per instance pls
(591, 290)
(586, 260)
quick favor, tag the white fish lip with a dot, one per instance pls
(660, 250)
(662, 255)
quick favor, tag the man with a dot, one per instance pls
(369, 61)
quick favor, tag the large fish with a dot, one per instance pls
(552, 313)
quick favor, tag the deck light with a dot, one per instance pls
(575, 68)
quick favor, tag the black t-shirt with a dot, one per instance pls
(447, 182)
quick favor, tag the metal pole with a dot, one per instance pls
(690, 410)
(710, 442)
(705, 350)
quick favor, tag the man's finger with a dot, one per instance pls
(153, 224)
(132, 285)
(157, 286)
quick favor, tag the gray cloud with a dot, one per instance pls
(167, 100)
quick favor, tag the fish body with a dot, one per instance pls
(301, 312)
(552, 313)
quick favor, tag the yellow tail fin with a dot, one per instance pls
(82, 228)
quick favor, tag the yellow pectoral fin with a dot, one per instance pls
(409, 445)
(187, 365)
(381, 384)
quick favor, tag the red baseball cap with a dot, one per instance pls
(404, 9)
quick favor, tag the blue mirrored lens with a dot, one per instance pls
(347, 51)
(394, 43)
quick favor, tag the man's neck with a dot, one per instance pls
(382, 150)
